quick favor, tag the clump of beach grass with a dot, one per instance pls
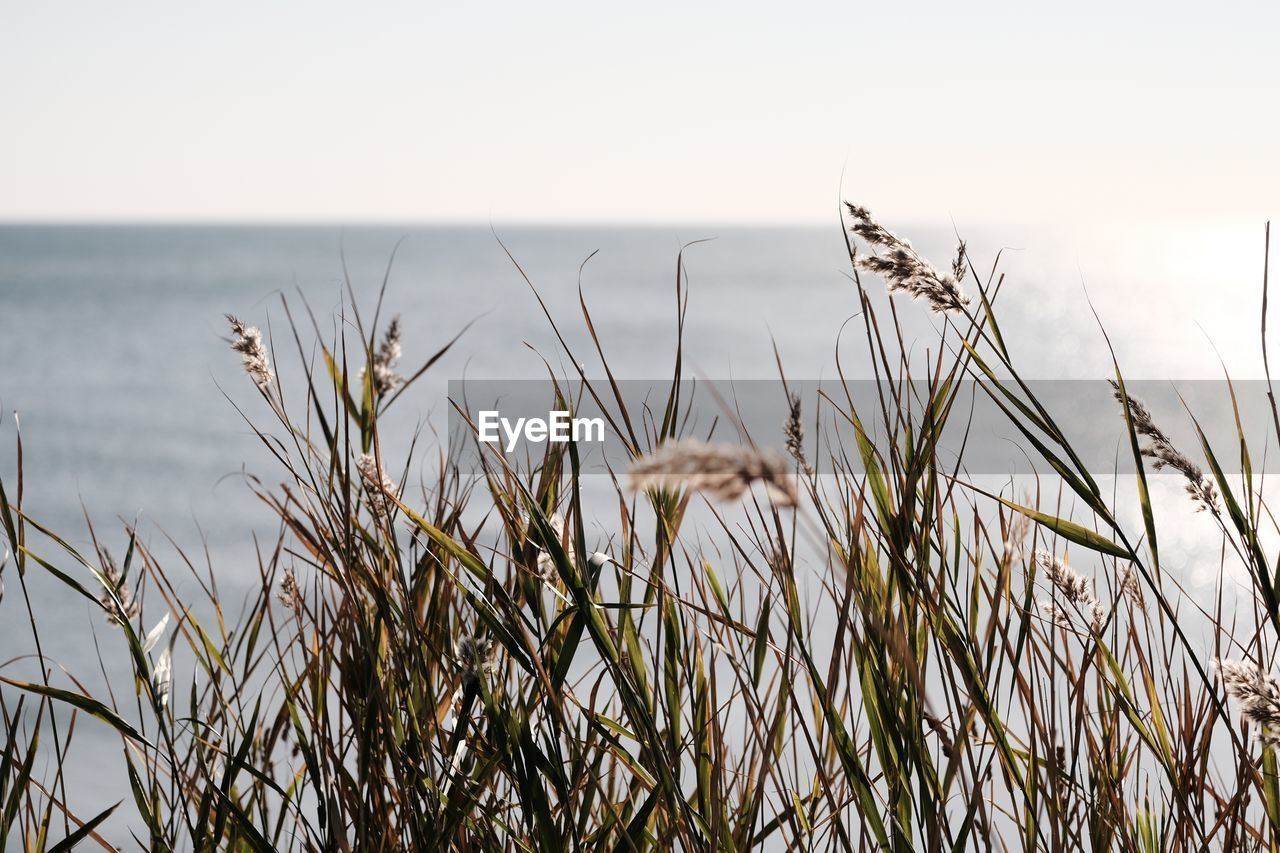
(523, 662)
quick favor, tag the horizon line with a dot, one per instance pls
(391, 222)
(908, 221)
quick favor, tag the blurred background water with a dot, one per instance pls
(113, 346)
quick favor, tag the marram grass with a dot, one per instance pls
(880, 656)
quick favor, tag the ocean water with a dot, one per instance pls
(113, 348)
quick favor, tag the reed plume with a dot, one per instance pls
(1256, 692)
(1016, 533)
(385, 378)
(902, 268)
(958, 265)
(117, 599)
(1072, 586)
(723, 471)
(1054, 614)
(290, 594)
(378, 487)
(253, 352)
(1130, 588)
(793, 430)
(1165, 455)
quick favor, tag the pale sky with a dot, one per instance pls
(641, 112)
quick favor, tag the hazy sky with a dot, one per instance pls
(653, 111)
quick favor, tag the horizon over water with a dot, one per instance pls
(113, 345)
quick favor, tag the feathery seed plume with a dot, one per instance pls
(1054, 614)
(903, 269)
(385, 379)
(793, 429)
(1256, 692)
(1130, 587)
(1016, 532)
(1074, 587)
(290, 594)
(725, 472)
(377, 486)
(248, 342)
(958, 265)
(1165, 455)
(117, 599)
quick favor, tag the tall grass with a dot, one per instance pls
(881, 655)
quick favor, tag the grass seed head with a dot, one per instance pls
(793, 429)
(253, 352)
(117, 600)
(1164, 455)
(722, 471)
(1072, 586)
(385, 378)
(290, 593)
(1131, 588)
(1054, 614)
(378, 487)
(1257, 693)
(902, 268)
